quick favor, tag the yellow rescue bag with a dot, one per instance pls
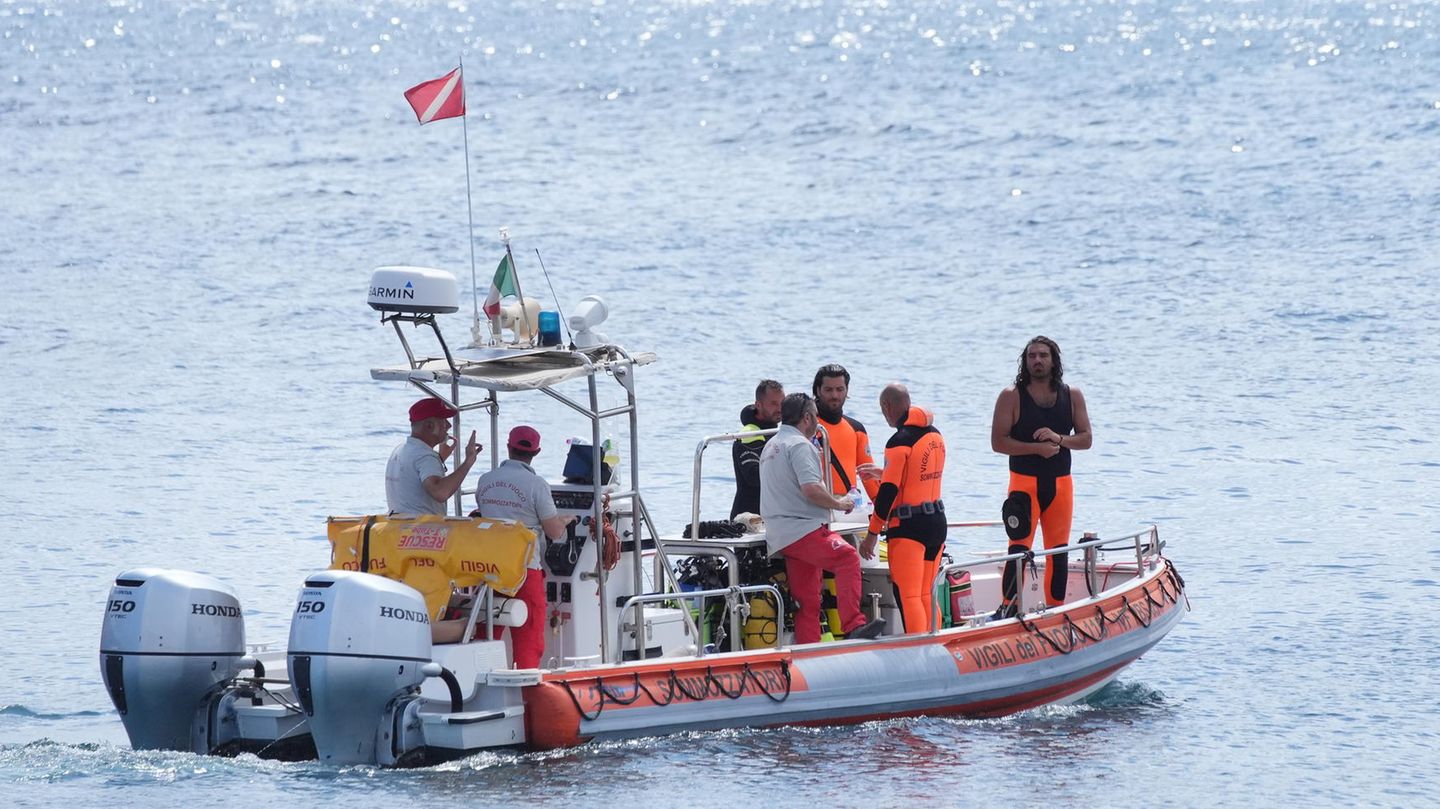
(434, 553)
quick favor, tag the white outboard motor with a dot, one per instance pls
(357, 647)
(171, 641)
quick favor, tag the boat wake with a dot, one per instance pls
(1126, 695)
(26, 713)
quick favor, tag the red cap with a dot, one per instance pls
(430, 408)
(525, 439)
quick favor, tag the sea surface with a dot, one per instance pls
(1224, 212)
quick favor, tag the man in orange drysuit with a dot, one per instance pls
(849, 443)
(1038, 422)
(908, 507)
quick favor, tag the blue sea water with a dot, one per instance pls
(1223, 211)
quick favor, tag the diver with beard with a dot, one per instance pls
(850, 461)
(1037, 423)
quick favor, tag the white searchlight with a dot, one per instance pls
(589, 313)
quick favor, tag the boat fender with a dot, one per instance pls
(552, 718)
(1016, 513)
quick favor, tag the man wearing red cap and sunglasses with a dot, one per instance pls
(513, 491)
(415, 479)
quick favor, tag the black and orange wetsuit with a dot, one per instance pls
(1046, 483)
(909, 510)
(849, 447)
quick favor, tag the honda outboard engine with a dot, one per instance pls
(357, 646)
(171, 641)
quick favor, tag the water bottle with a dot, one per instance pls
(611, 458)
(857, 499)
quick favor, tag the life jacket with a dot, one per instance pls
(849, 447)
(431, 553)
(908, 504)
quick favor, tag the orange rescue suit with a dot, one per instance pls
(909, 510)
(849, 447)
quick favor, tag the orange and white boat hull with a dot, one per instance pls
(1055, 657)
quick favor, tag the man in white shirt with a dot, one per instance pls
(795, 504)
(415, 478)
(513, 491)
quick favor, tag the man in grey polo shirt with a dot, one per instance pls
(796, 505)
(512, 491)
(415, 479)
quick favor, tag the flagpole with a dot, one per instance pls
(470, 210)
(515, 276)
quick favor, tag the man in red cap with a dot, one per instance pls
(513, 491)
(415, 479)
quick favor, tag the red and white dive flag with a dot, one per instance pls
(438, 98)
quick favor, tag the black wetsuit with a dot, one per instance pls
(745, 454)
(1057, 417)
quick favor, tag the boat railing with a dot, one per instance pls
(1147, 545)
(476, 605)
(732, 568)
(735, 604)
(705, 442)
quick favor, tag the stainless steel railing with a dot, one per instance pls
(1147, 546)
(713, 548)
(699, 462)
(734, 604)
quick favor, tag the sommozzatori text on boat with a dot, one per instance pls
(677, 633)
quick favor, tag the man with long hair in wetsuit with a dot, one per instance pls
(1038, 422)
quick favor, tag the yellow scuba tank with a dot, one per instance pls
(760, 629)
(830, 603)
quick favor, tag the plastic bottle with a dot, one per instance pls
(611, 457)
(857, 498)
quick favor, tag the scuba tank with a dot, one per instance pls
(762, 625)
(830, 610)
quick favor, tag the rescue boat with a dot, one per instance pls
(388, 661)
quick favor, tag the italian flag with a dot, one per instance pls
(501, 285)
